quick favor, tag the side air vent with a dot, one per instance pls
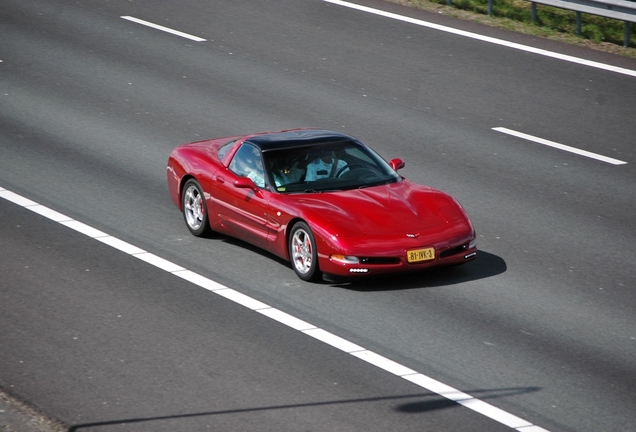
(453, 251)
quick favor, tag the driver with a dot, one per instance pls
(323, 167)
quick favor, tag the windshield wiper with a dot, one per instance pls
(321, 190)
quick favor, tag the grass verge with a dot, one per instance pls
(598, 33)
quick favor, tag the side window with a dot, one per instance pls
(247, 162)
(223, 150)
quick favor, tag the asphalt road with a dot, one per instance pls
(540, 325)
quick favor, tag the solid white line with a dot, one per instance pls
(83, 228)
(242, 299)
(383, 363)
(330, 339)
(333, 340)
(50, 214)
(15, 198)
(121, 245)
(560, 146)
(162, 28)
(495, 413)
(485, 38)
(158, 262)
(287, 319)
(437, 387)
(199, 280)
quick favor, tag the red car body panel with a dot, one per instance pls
(380, 223)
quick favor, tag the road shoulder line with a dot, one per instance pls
(282, 317)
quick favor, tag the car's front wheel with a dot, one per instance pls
(303, 253)
(195, 211)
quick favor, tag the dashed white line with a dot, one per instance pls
(483, 38)
(560, 146)
(278, 315)
(165, 29)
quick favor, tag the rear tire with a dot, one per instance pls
(195, 211)
(303, 254)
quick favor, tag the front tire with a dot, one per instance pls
(302, 252)
(195, 211)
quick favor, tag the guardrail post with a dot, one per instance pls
(622, 10)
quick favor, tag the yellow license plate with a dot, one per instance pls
(417, 255)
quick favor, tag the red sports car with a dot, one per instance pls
(320, 199)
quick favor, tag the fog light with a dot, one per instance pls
(345, 259)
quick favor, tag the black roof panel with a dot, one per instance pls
(296, 138)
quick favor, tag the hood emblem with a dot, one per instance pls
(416, 235)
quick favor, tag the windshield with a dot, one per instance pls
(326, 167)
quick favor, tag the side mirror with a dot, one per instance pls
(245, 182)
(397, 164)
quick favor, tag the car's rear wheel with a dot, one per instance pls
(303, 253)
(195, 211)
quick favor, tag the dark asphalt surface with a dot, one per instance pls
(540, 325)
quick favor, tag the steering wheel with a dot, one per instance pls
(349, 166)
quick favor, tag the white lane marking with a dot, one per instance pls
(158, 262)
(83, 228)
(438, 387)
(121, 245)
(199, 280)
(50, 214)
(490, 411)
(308, 329)
(240, 298)
(287, 319)
(383, 363)
(483, 38)
(333, 340)
(560, 146)
(162, 28)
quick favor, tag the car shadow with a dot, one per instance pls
(485, 265)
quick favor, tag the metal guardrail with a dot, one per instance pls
(623, 10)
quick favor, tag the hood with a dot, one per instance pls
(397, 208)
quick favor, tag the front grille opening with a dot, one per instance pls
(379, 260)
